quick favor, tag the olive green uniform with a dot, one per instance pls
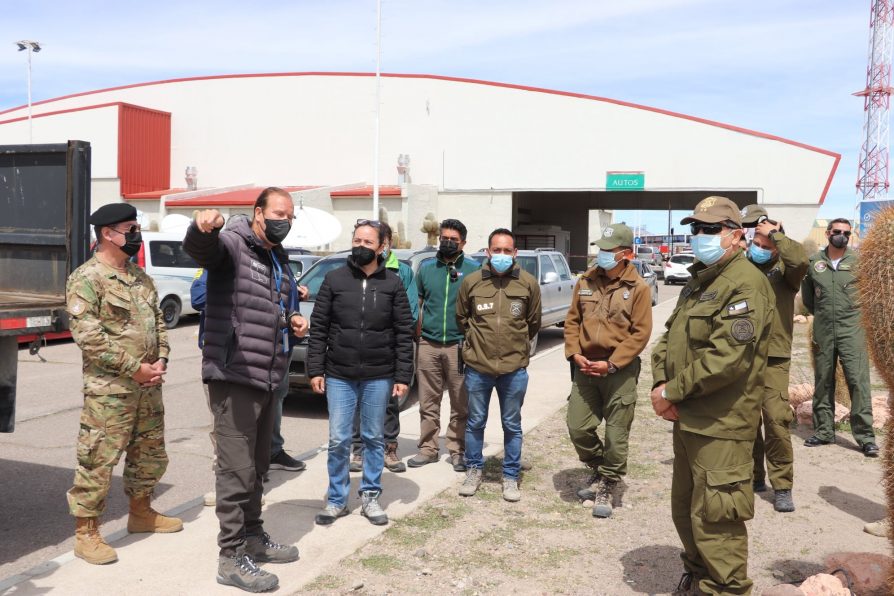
(115, 320)
(609, 319)
(712, 359)
(831, 295)
(784, 274)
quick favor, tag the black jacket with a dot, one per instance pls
(361, 327)
(243, 328)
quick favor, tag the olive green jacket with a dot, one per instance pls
(831, 295)
(714, 352)
(499, 315)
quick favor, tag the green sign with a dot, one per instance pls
(625, 181)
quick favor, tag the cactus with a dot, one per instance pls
(431, 228)
(875, 282)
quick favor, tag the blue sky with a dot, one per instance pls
(785, 67)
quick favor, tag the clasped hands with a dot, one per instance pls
(662, 407)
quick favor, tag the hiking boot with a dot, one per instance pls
(470, 485)
(759, 485)
(89, 544)
(357, 461)
(370, 508)
(240, 571)
(420, 459)
(588, 492)
(782, 501)
(870, 450)
(284, 461)
(392, 461)
(330, 513)
(458, 461)
(144, 518)
(604, 491)
(688, 586)
(510, 490)
(263, 550)
(879, 528)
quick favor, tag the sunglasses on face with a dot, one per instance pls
(367, 222)
(706, 228)
(451, 269)
(130, 230)
(847, 233)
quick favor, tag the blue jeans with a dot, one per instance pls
(344, 396)
(511, 389)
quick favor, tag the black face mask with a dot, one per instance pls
(132, 242)
(448, 249)
(838, 240)
(362, 256)
(276, 230)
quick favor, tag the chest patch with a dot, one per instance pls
(515, 309)
(742, 330)
(259, 272)
(817, 292)
(738, 308)
(585, 292)
(820, 266)
(626, 295)
(484, 307)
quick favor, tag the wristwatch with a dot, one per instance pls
(612, 369)
(663, 394)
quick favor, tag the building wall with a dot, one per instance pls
(481, 213)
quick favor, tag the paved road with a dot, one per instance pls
(36, 462)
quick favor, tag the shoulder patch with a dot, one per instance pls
(742, 330)
(738, 308)
(77, 306)
(712, 295)
(686, 291)
(820, 266)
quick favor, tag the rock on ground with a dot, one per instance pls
(880, 410)
(804, 413)
(784, 590)
(823, 584)
(798, 394)
(868, 571)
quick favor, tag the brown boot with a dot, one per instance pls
(144, 518)
(392, 460)
(89, 544)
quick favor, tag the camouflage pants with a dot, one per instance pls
(112, 425)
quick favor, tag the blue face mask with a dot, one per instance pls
(606, 260)
(759, 255)
(501, 263)
(707, 248)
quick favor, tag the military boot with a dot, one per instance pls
(588, 492)
(89, 544)
(688, 586)
(144, 518)
(605, 491)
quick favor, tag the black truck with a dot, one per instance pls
(44, 236)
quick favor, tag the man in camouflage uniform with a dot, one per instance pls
(115, 320)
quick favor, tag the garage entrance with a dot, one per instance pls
(561, 219)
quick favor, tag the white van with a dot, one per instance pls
(163, 258)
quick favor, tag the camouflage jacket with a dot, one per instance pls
(115, 320)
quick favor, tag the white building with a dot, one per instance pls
(489, 154)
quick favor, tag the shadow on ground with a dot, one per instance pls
(853, 504)
(654, 569)
(567, 483)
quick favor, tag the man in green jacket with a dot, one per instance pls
(708, 370)
(438, 356)
(784, 262)
(830, 292)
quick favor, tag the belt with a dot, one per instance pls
(441, 344)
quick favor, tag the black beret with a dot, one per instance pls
(113, 213)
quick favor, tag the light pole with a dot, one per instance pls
(29, 46)
(375, 214)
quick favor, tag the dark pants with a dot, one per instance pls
(392, 425)
(243, 427)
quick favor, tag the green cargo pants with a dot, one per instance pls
(776, 440)
(594, 399)
(711, 499)
(851, 351)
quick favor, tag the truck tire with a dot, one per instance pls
(170, 310)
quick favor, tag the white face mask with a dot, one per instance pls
(708, 248)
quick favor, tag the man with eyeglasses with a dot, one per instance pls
(784, 263)
(829, 292)
(116, 322)
(708, 371)
(439, 363)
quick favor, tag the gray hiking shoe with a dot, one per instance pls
(264, 550)
(588, 492)
(370, 508)
(240, 571)
(329, 514)
(510, 490)
(604, 492)
(470, 485)
(782, 501)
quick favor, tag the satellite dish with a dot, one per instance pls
(143, 220)
(311, 228)
(174, 223)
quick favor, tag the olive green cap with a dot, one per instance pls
(715, 210)
(614, 236)
(751, 214)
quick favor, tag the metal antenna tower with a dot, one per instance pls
(872, 174)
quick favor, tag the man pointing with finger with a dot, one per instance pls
(244, 358)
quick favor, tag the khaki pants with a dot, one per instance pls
(711, 499)
(438, 365)
(776, 440)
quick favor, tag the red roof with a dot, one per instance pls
(228, 198)
(366, 191)
(153, 194)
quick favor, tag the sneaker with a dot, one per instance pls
(263, 550)
(688, 586)
(392, 461)
(284, 461)
(357, 461)
(240, 571)
(604, 492)
(370, 508)
(330, 513)
(420, 459)
(470, 485)
(759, 485)
(510, 490)
(782, 501)
(879, 528)
(588, 492)
(458, 461)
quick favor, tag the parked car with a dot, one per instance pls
(651, 256)
(163, 258)
(648, 274)
(676, 269)
(301, 262)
